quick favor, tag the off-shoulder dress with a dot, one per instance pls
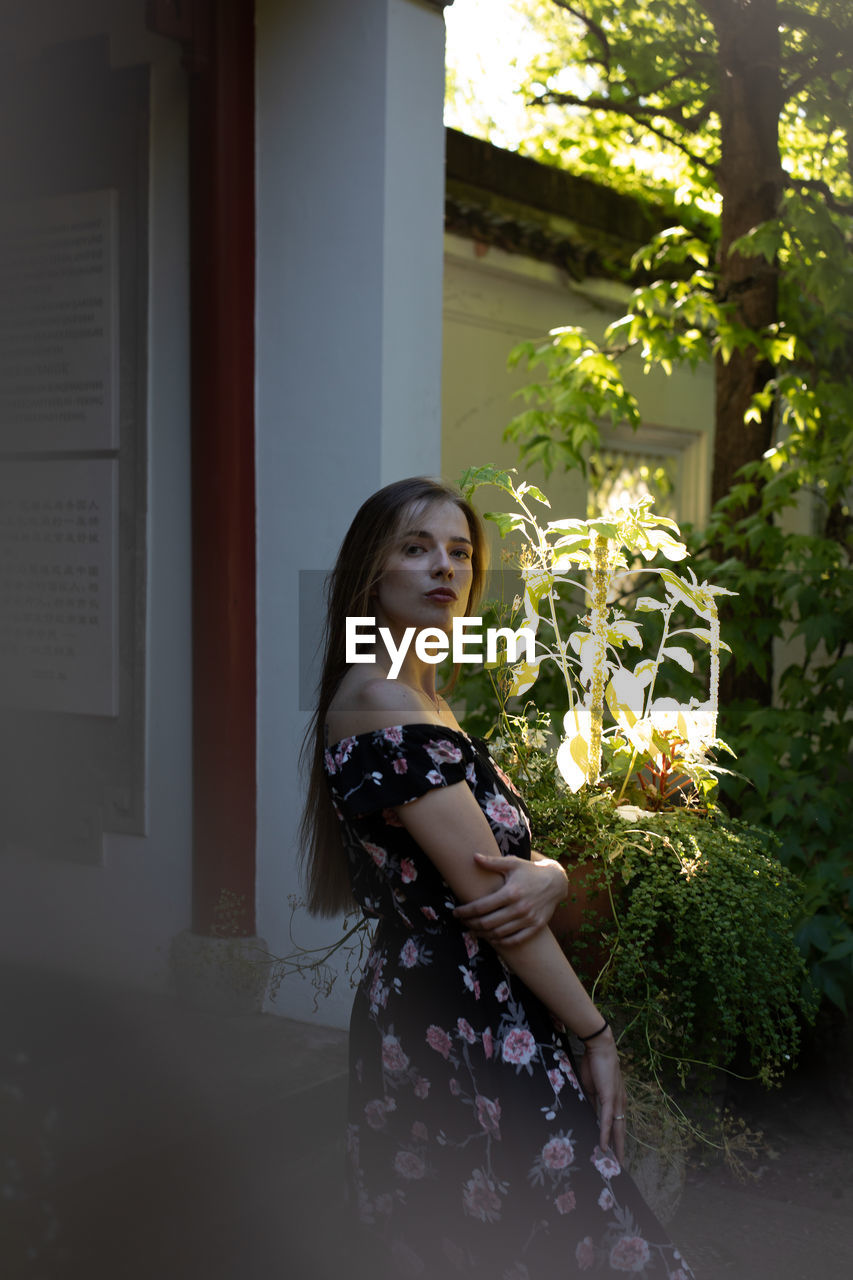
(471, 1147)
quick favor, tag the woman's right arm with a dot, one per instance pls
(450, 827)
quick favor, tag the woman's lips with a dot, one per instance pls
(444, 596)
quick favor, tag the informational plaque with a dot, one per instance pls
(58, 633)
(59, 374)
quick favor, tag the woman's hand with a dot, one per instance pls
(601, 1077)
(522, 905)
(447, 822)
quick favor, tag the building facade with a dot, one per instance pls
(259, 189)
(224, 275)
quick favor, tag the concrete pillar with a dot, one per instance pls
(350, 197)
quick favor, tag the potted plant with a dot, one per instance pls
(684, 919)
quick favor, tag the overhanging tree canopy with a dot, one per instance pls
(751, 101)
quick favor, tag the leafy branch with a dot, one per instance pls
(647, 734)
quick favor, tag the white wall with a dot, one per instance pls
(350, 198)
(494, 300)
(115, 921)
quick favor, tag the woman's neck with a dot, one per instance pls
(395, 657)
(412, 672)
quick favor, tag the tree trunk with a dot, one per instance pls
(750, 179)
(751, 183)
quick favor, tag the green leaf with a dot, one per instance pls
(832, 989)
(524, 489)
(505, 521)
(679, 655)
(604, 528)
(841, 949)
(568, 527)
(646, 604)
(473, 478)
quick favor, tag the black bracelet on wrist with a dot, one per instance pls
(599, 1032)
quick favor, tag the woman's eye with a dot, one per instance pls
(462, 554)
(412, 550)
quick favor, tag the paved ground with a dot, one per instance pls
(794, 1221)
(139, 1139)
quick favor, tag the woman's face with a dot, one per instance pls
(426, 579)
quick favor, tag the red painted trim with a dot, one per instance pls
(222, 290)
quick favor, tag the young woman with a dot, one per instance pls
(476, 1146)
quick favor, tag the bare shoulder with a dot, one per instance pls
(361, 705)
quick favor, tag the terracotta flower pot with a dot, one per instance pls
(587, 904)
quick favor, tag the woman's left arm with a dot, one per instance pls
(522, 905)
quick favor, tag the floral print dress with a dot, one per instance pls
(471, 1147)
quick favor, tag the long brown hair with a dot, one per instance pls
(363, 554)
